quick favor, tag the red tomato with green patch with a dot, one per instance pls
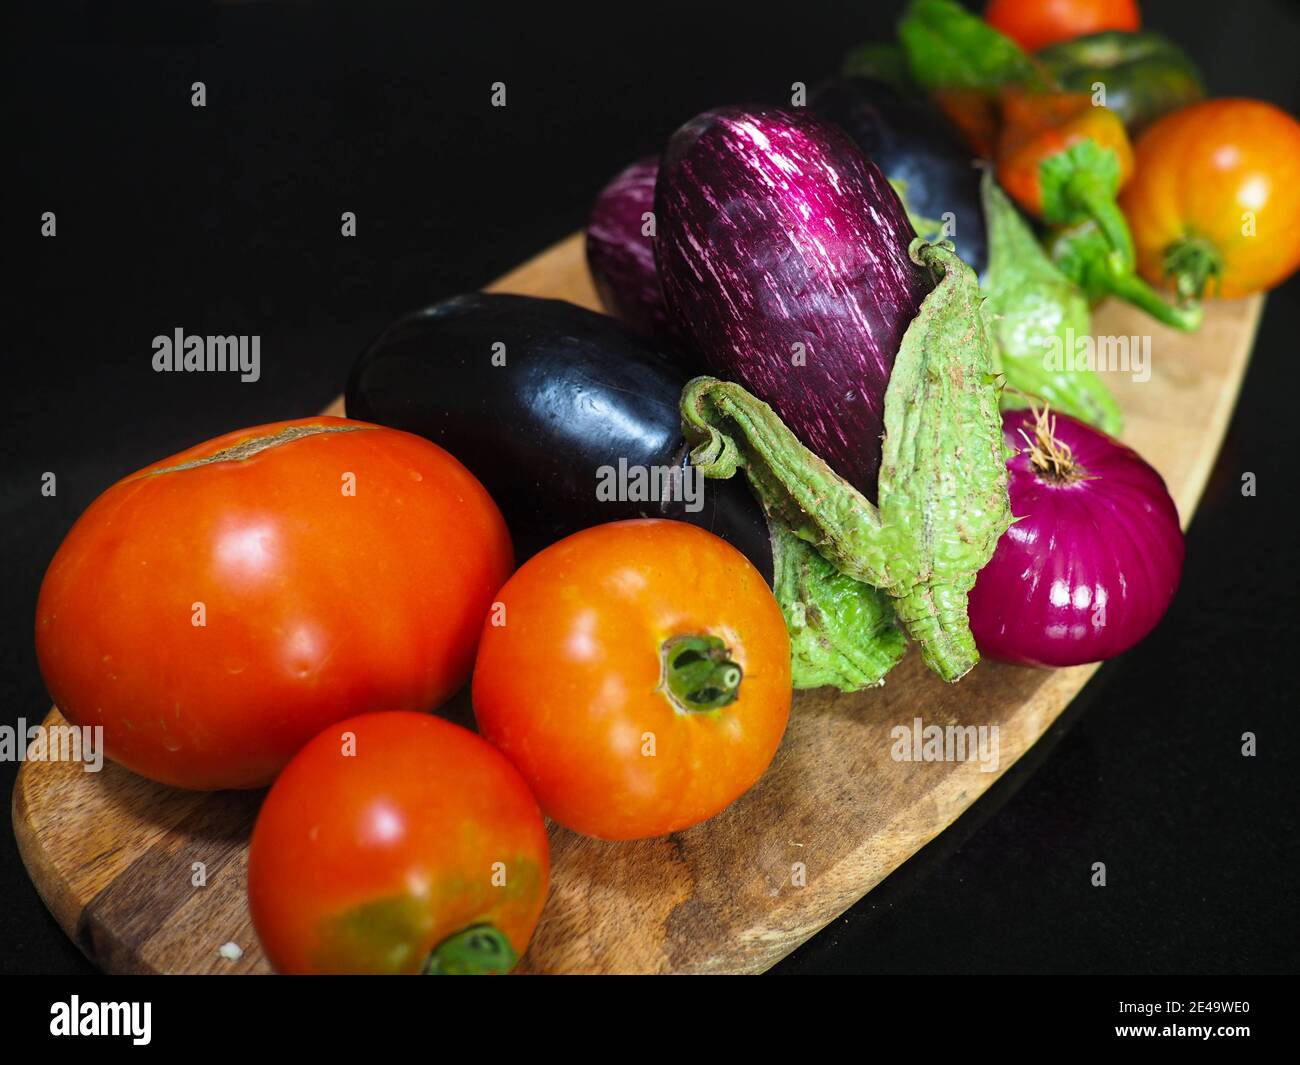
(217, 609)
(397, 843)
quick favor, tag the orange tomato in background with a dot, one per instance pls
(641, 678)
(397, 843)
(315, 603)
(1034, 24)
(1215, 195)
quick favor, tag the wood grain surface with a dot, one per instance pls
(117, 858)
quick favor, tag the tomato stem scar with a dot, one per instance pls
(479, 950)
(698, 673)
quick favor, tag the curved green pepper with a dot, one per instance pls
(1145, 75)
(1038, 316)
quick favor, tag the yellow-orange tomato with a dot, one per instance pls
(217, 609)
(638, 676)
(1213, 203)
(397, 843)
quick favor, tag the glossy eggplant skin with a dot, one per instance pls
(783, 255)
(915, 145)
(578, 391)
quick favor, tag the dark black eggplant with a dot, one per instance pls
(916, 147)
(536, 397)
(577, 391)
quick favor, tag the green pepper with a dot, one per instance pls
(1038, 317)
(1144, 74)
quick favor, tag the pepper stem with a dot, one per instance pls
(1132, 289)
(698, 673)
(1091, 196)
(1192, 262)
(479, 950)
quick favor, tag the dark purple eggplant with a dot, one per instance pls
(621, 254)
(536, 396)
(577, 392)
(914, 145)
(783, 256)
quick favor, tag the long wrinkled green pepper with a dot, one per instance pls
(1038, 315)
(943, 479)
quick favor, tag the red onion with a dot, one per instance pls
(620, 254)
(1095, 556)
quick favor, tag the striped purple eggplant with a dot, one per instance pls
(783, 257)
(620, 250)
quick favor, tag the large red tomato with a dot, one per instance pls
(217, 609)
(397, 843)
(638, 675)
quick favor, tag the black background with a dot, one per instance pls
(226, 219)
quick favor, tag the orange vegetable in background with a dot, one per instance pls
(640, 680)
(1034, 24)
(1214, 205)
(217, 609)
(1040, 128)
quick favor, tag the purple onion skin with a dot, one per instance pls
(621, 258)
(774, 231)
(1090, 567)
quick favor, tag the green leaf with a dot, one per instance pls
(1036, 312)
(948, 47)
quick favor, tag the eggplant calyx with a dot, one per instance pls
(479, 950)
(843, 633)
(943, 478)
(699, 674)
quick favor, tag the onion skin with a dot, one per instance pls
(621, 258)
(1090, 567)
(775, 231)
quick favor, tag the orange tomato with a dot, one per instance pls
(397, 843)
(1214, 197)
(1034, 24)
(217, 609)
(640, 680)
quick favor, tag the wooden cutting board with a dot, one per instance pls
(114, 856)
